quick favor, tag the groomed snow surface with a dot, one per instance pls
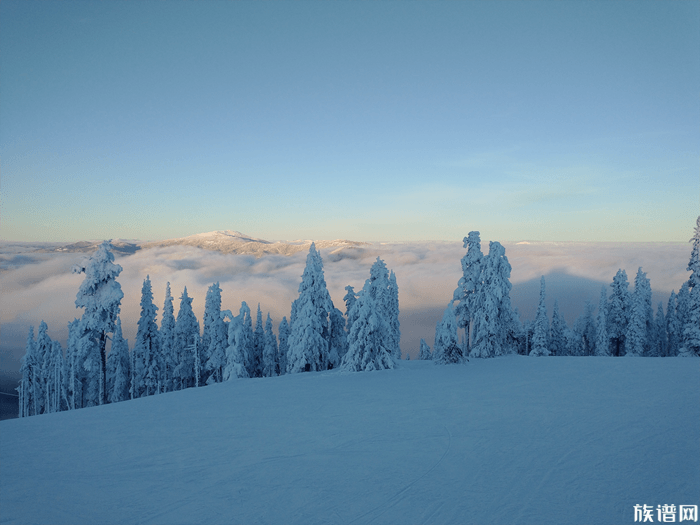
(565, 440)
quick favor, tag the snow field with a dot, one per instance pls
(576, 440)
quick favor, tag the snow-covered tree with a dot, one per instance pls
(366, 350)
(492, 308)
(618, 313)
(100, 295)
(186, 333)
(586, 328)
(283, 346)
(146, 366)
(239, 341)
(211, 330)
(167, 341)
(43, 354)
(392, 308)
(602, 342)
(118, 367)
(557, 338)
(690, 334)
(540, 336)
(637, 336)
(310, 330)
(258, 346)
(468, 287)
(30, 371)
(269, 357)
(338, 344)
(424, 353)
(446, 349)
(350, 298)
(673, 327)
(660, 337)
(55, 384)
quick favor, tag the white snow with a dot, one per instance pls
(576, 440)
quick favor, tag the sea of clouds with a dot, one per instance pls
(40, 286)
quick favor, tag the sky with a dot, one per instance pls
(372, 121)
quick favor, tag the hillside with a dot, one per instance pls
(506, 440)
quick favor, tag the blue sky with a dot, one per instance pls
(369, 121)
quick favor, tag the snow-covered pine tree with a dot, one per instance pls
(468, 287)
(100, 295)
(239, 341)
(283, 346)
(210, 326)
(54, 378)
(619, 306)
(393, 315)
(43, 355)
(690, 334)
(602, 342)
(637, 336)
(338, 344)
(308, 339)
(217, 351)
(118, 367)
(28, 370)
(167, 341)
(660, 338)
(72, 376)
(673, 328)
(258, 345)
(269, 357)
(350, 298)
(586, 328)
(446, 350)
(366, 350)
(557, 339)
(186, 333)
(146, 373)
(540, 337)
(492, 305)
(424, 353)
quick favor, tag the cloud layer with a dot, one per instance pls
(40, 286)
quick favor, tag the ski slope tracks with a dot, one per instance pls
(565, 440)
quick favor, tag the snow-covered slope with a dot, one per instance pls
(507, 440)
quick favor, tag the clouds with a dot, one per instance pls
(40, 286)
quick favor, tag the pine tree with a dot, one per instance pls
(393, 315)
(350, 299)
(167, 341)
(258, 345)
(492, 305)
(660, 339)
(118, 367)
(446, 349)
(602, 342)
(43, 354)
(283, 347)
(100, 295)
(469, 286)
(239, 341)
(186, 333)
(673, 328)
(558, 340)
(540, 337)
(424, 353)
(586, 328)
(690, 330)
(310, 330)
(366, 350)
(146, 372)
(269, 360)
(54, 378)
(210, 329)
(28, 369)
(339, 340)
(637, 336)
(619, 306)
